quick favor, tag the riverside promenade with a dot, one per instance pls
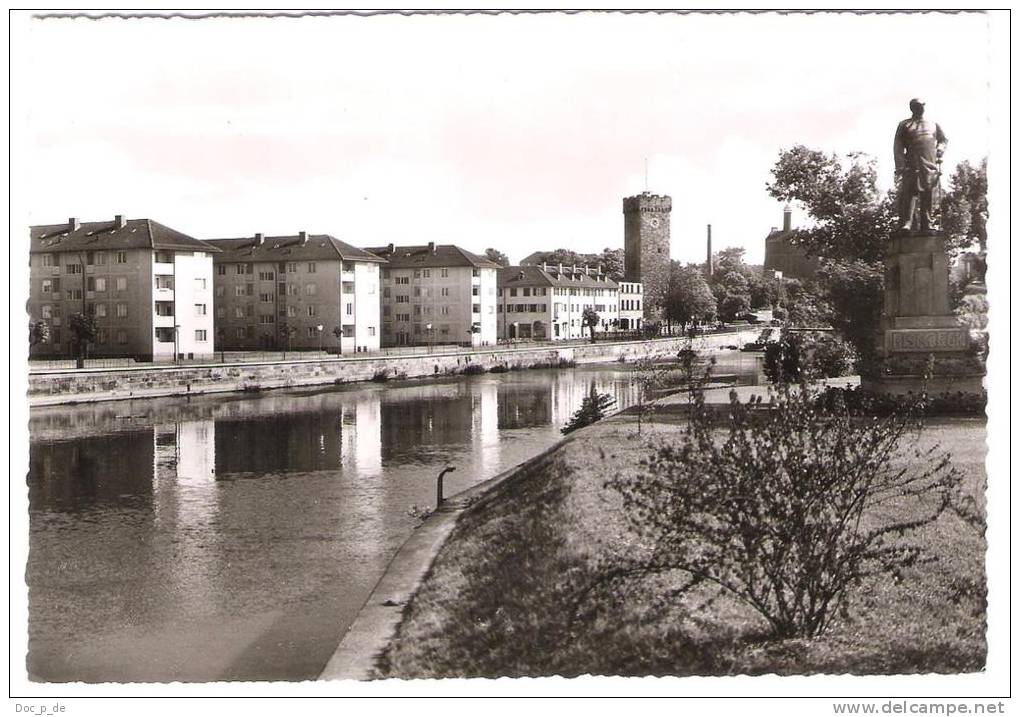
(65, 386)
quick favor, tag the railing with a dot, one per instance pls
(228, 357)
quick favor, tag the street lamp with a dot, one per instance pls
(428, 331)
(319, 329)
(177, 345)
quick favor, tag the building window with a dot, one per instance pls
(310, 289)
(265, 296)
(46, 311)
(122, 337)
(121, 283)
(386, 292)
(403, 280)
(371, 331)
(417, 274)
(200, 335)
(221, 269)
(347, 287)
(101, 310)
(292, 268)
(74, 294)
(266, 318)
(200, 283)
(122, 310)
(476, 308)
(444, 310)
(100, 258)
(238, 269)
(238, 290)
(239, 332)
(445, 291)
(474, 291)
(164, 282)
(238, 312)
(100, 283)
(348, 331)
(72, 269)
(311, 267)
(101, 336)
(350, 309)
(475, 272)
(220, 312)
(292, 311)
(47, 260)
(267, 276)
(312, 309)
(444, 273)
(47, 286)
(199, 309)
(221, 290)
(122, 257)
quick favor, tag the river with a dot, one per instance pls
(235, 537)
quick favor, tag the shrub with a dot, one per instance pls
(808, 355)
(783, 513)
(381, 376)
(593, 408)
(473, 369)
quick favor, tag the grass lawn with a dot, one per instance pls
(497, 599)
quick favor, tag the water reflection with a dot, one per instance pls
(179, 539)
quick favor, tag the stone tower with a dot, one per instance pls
(646, 247)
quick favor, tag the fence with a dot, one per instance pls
(39, 365)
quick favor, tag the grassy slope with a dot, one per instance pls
(495, 602)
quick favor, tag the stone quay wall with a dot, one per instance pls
(62, 386)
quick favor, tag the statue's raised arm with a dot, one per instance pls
(917, 153)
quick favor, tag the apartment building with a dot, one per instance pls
(296, 292)
(148, 286)
(437, 294)
(548, 302)
(631, 310)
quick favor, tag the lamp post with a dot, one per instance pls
(428, 331)
(319, 328)
(177, 345)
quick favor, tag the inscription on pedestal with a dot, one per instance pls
(926, 339)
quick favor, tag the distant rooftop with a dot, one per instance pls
(554, 275)
(431, 256)
(120, 233)
(295, 247)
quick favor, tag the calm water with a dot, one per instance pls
(235, 537)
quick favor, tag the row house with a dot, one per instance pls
(437, 294)
(296, 292)
(548, 302)
(149, 287)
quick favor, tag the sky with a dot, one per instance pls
(521, 132)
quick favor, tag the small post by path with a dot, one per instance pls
(439, 485)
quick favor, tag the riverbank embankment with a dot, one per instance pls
(493, 600)
(64, 386)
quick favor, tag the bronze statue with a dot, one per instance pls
(918, 149)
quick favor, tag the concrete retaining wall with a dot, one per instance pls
(73, 386)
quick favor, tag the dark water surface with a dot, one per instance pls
(236, 536)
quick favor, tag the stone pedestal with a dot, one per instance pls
(919, 332)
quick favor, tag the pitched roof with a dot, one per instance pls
(297, 247)
(431, 256)
(532, 275)
(91, 236)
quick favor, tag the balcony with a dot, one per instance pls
(163, 294)
(164, 268)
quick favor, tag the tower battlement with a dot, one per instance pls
(647, 202)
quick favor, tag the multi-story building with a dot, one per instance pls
(631, 302)
(437, 294)
(646, 247)
(784, 258)
(294, 292)
(548, 302)
(149, 287)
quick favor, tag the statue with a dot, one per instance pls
(917, 150)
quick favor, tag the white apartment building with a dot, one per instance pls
(548, 302)
(149, 287)
(437, 294)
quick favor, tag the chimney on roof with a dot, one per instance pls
(586, 270)
(303, 236)
(390, 248)
(559, 267)
(787, 218)
(543, 266)
(259, 238)
(74, 224)
(432, 247)
(120, 221)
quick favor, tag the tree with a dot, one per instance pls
(83, 332)
(611, 260)
(593, 408)
(38, 332)
(784, 514)
(590, 318)
(965, 205)
(496, 256)
(733, 296)
(612, 263)
(688, 297)
(850, 219)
